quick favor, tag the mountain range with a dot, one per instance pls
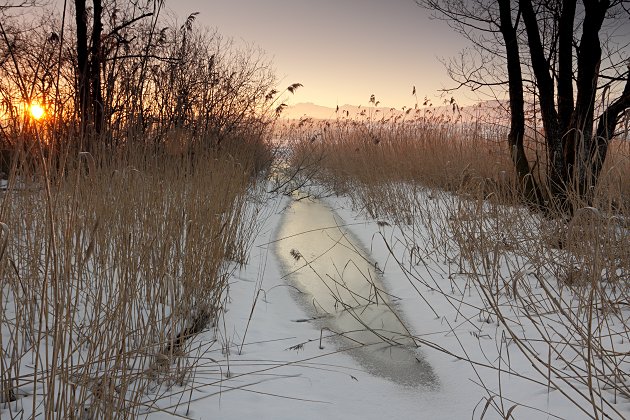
(472, 112)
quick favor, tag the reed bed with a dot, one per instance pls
(556, 289)
(437, 152)
(109, 265)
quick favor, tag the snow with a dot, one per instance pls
(269, 358)
(282, 373)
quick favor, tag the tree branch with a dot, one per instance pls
(565, 64)
(609, 118)
(157, 57)
(128, 23)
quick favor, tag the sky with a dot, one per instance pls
(342, 51)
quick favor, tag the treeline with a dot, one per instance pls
(113, 72)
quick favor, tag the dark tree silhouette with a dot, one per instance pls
(89, 60)
(558, 44)
(83, 88)
(96, 58)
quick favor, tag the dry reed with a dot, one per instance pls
(109, 266)
(556, 288)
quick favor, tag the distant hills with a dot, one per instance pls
(483, 110)
(312, 110)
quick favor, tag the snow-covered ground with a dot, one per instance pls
(272, 360)
(276, 353)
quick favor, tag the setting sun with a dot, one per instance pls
(37, 111)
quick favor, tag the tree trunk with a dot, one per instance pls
(565, 82)
(82, 63)
(517, 124)
(95, 68)
(557, 173)
(565, 64)
(588, 61)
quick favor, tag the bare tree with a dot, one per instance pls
(553, 49)
(91, 56)
(130, 75)
(83, 87)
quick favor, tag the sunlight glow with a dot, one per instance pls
(37, 112)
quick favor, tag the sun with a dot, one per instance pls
(37, 112)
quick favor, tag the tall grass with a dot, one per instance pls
(557, 288)
(120, 227)
(436, 153)
(109, 265)
(120, 224)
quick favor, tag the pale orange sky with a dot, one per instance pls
(342, 51)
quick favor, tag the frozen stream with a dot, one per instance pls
(342, 294)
